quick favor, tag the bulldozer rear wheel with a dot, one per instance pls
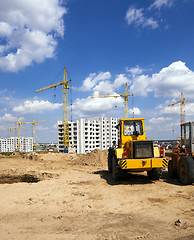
(186, 170)
(171, 171)
(155, 173)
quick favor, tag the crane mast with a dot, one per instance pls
(65, 84)
(125, 95)
(65, 111)
(182, 103)
(19, 134)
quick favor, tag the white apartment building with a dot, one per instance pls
(12, 144)
(87, 135)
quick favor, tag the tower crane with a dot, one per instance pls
(124, 95)
(33, 124)
(65, 85)
(182, 103)
(19, 133)
(10, 130)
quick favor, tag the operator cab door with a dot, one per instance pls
(187, 136)
(118, 127)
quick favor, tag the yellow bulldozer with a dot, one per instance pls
(181, 163)
(134, 153)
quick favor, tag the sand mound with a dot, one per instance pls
(56, 156)
(95, 158)
(16, 154)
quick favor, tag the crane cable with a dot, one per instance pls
(60, 73)
(57, 76)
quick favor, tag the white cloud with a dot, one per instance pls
(120, 80)
(135, 111)
(188, 109)
(93, 79)
(108, 87)
(137, 17)
(169, 82)
(101, 82)
(8, 118)
(5, 29)
(95, 106)
(135, 71)
(104, 87)
(173, 80)
(36, 106)
(101, 86)
(159, 120)
(170, 110)
(30, 30)
(161, 3)
(41, 128)
(141, 85)
(162, 105)
(165, 130)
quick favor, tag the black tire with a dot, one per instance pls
(110, 154)
(116, 171)
(155, 173)
(186, 170)
(171, 171)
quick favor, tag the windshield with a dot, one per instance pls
(133, 128)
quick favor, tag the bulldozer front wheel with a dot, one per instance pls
(171, 171)
(155, 173)
(186, 170)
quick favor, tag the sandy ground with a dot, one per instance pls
(62, 196)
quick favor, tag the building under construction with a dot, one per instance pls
(12, 144)
(87, 135)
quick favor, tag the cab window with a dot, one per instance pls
(133, 128)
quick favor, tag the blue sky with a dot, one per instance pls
(104, 44)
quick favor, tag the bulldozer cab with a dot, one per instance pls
(130, 130)
(187, 137)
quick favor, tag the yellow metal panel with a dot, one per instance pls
(119, 152)
(156, 152)
(157, 162)
(137, 163)
(141, 163)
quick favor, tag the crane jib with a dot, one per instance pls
(50, 86)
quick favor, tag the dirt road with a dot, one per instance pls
(62, 196)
